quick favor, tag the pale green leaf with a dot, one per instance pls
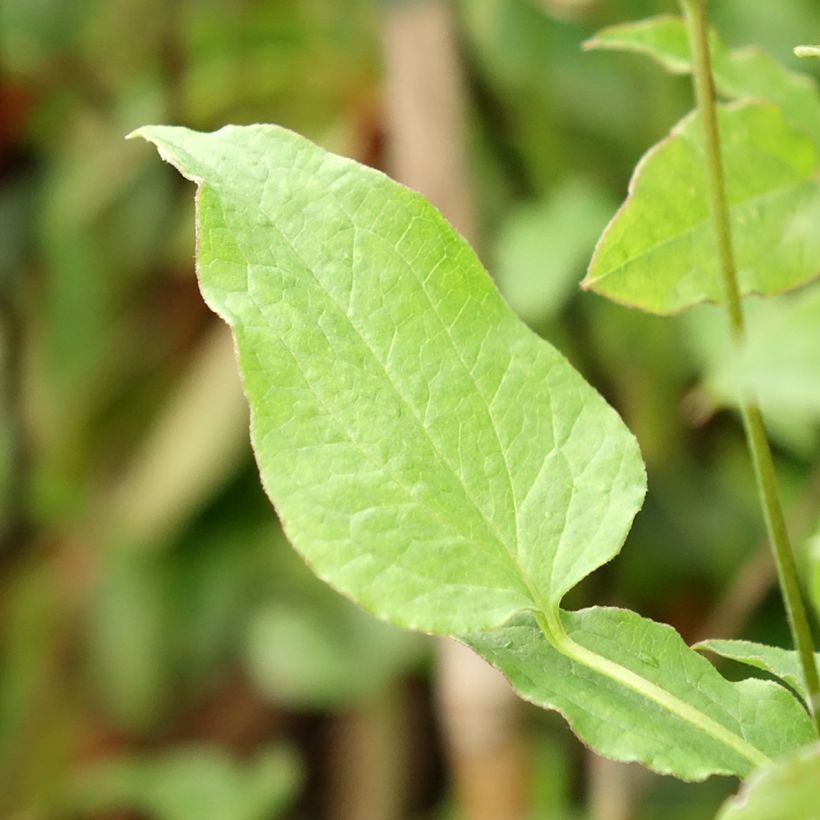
(782, 663)
(739, 73)
(323, 653)
(785, 790)
(659, 252)
(779, 363)
(543, 246)
(194, 782)
(662, 38)
(429, 456)
(715, 726)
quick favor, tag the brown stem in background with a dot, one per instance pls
(610, 792)
(425, 110)
(369, 758)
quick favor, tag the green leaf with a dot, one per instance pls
(430, 457)
(779, 363)
(662, 38)
(740, 73)
(543, 246)
(191, 783)
(659, 253)
(323, 653)
(785, 790)
(714, 727)
(782, 663)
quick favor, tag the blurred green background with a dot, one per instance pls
(163, 652)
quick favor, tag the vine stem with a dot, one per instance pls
(697, 28)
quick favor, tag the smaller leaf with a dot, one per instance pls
(738, 74)
(195, 782)
(662, 38)
(324, 653)
(807, 51)
(659, 251)
(784, 790)
(780, 362)
(782, 663)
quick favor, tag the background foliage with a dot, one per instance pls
(156, 629)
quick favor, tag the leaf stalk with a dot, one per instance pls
(697, 27)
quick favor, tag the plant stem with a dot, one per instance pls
(695, 15)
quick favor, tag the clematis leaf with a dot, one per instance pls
(433, 459)
(659, 251)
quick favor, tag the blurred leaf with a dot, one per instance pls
(542, 248)
(127, 631)
(321, 652)
(779, 364)
(191, 783)
(784, 790)
(659, 254)
(662, 38)
(781, 359)
(741, 73)
(782, 663)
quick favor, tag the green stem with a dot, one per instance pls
(695, 15)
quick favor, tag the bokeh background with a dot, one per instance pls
(164, 654)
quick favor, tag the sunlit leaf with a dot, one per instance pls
(428, 454)
(433, 459)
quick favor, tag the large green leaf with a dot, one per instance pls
(739, 73)
(428, 455)
(659, 251)
(785, 790)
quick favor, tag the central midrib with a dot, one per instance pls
(554, 632)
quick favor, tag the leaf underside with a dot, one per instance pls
(430, 457)
(784, 664)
